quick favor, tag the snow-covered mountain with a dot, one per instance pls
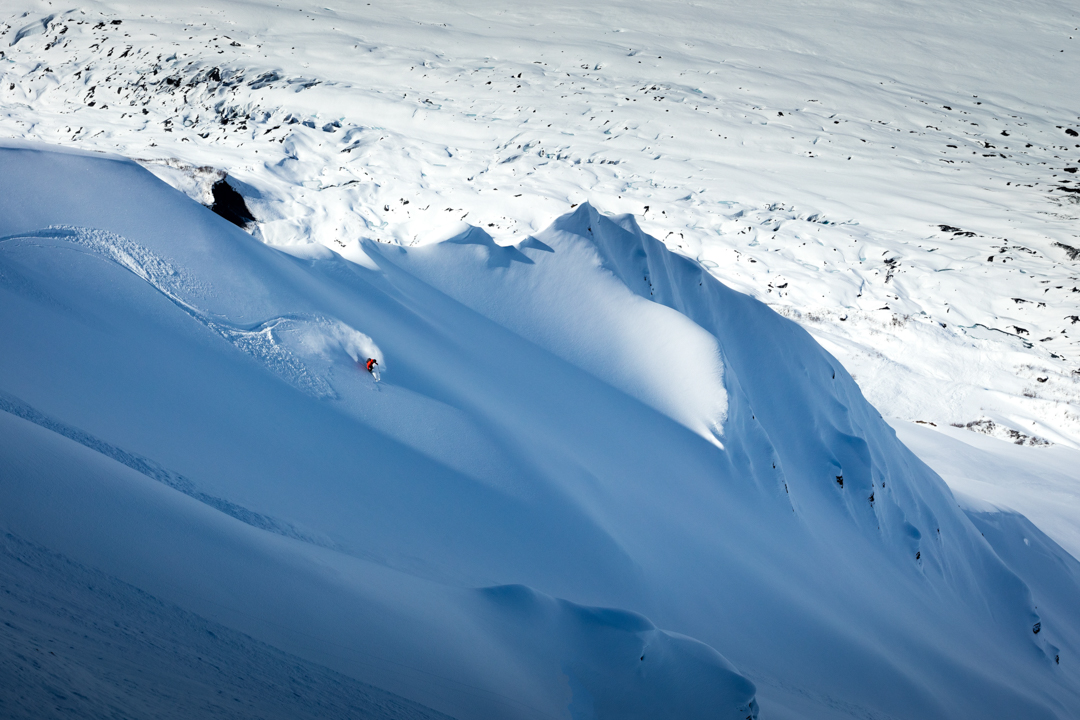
(900, 178)
(605, 471)
(583, 420)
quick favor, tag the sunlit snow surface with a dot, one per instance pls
(533, 514)
(570, 415)
(857, 167)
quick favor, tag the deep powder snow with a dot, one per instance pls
(593, 482)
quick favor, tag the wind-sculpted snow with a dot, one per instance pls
(657, 673)
(561, 291)
(592, 428)
(902, 184)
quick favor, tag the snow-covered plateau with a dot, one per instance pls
(726, 360)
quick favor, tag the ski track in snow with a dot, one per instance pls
(154, 471)
(296, 348)
(811, 548)
(901, 181)
(907, 196)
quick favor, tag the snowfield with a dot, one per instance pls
(185, 412)
(655, 293)
(900, 179)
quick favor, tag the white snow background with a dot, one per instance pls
(572, 406)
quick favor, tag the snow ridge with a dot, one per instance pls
(895, 205)
(587, 423)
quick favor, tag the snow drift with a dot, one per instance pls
(593, 482)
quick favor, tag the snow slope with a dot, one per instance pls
(78, 643)
(593, 482)
(1037, 483)
(898, 177)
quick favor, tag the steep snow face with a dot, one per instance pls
(900, 179)
(591, 303)
(184, 412)
(988, 473)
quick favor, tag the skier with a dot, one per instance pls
(371, 368)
